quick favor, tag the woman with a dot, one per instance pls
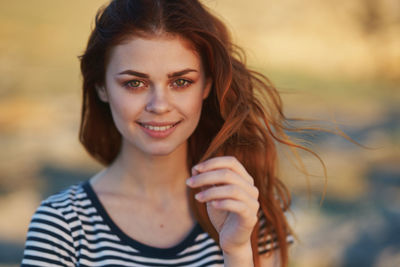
(171, 110)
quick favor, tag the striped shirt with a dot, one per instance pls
(72, 228)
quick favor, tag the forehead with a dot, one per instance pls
(147, 53)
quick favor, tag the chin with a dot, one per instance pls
(160, 151)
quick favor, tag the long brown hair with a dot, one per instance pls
(241, 117)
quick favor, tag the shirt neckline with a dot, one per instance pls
(170, 252)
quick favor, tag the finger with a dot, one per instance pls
(223, 162)
(227, 192)
(238, 208)
(221, 176)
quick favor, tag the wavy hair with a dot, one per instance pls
(241, 117)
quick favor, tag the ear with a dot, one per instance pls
(207, 88)
(102, 93)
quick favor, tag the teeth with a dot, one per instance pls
(158, 128)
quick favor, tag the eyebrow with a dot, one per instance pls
(180, 73)
(144, 75)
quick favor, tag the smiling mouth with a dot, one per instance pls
(158, 127)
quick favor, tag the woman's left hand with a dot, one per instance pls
(231, 199)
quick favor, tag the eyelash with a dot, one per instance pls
(129, 86)
(186, 84)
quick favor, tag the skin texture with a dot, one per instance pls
(232, 206)
(155, 98)
(148, 176)
(158, 81)
(231, 199)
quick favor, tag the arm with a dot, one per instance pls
(49, 241)
(245, 258)
(241, 257)
(232, 205)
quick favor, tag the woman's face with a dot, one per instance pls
(155, 87)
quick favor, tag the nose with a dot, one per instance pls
(158, 101)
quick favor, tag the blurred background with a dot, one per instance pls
(334, 61)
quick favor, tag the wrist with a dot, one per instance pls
(239, 256)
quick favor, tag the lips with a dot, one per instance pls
(158, 129)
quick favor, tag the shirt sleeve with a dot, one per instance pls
(271, 242)
(49, 241)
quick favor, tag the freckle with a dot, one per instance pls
(161, 225)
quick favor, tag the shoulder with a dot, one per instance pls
(57, 210)
(50, 235)
(67, 200)
(62, 208)
(68, 196)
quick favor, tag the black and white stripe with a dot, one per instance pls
(72, 228)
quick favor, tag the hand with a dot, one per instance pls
(231, 199)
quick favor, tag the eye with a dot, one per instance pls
(134, 84)
(182, 83)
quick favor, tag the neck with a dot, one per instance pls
(148, 176)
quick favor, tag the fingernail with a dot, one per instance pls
(189, 181)
(198, 196)
(198, 166)
(195, 170)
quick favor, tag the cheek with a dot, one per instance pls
(124, 108)
(192, 105)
